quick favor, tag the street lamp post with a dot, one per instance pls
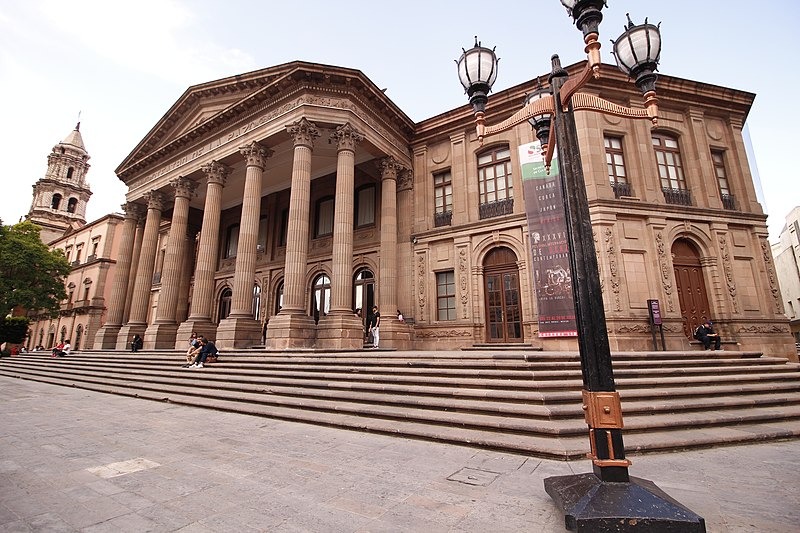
(607, 499)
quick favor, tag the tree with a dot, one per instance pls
(13, 329)
(31, 275)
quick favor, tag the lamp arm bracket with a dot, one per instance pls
(542, 106)
(592, 69)
(590, 102)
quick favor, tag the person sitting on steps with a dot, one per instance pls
(207, 350)
(705, 334)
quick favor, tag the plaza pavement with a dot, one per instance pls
(75, 460)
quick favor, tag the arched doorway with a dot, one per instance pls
(224, 308)
(501, 287)
(690, 285)
(321, 300)
(78, 337)
(364, 293)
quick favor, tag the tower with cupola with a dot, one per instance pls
(60, 197)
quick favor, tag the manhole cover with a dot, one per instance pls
(472, 476)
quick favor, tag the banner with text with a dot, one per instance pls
(544, 206)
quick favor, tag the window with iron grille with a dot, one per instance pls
(446, 295)
(495, 184)
(718, 159)
(615, 162)
(443, 198)
(670, 169)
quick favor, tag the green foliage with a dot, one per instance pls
(13, 329)
(31, 275)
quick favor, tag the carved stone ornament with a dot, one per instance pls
(255, 155)
(405, 180)
(726, 263)
(346, 137)
(389, 167)
(133, 210)
(463, 283)
(184, 187)
(303, 132)
(666, 282)
(773, 279)
(155, 200)
(612, 265)
(216, 172)
(421, 283)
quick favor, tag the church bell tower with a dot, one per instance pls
(60, 197)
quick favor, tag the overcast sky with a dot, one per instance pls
(123, 64)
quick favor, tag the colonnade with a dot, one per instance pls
(292, 327)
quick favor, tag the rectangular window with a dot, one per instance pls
(365, 206)
(283, 229)
(78, 252)
(324, 217)
(668, 157)
(86, 292)
(232, 241)
(615, 162)
(261, 244)
(95, 245)
(718, 159)
(446, 295)
(443, 192)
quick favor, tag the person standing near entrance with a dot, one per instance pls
(374, 326)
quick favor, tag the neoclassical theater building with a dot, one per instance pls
(265, 208)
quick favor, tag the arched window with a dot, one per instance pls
(364, 291)
(279, 298)
(56, 201)
(63, 333)
(231, 241)
(224, 304)
(72, 204)
(257, 302)
(70, 172)
(321, 302)
(78, 337)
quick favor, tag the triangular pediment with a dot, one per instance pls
(205, 107)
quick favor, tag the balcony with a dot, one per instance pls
(729, 202)
(621, 189)
(443, 219)
(496, 209)
(677, 196)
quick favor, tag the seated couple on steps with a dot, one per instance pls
(200, 351)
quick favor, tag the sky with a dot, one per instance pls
(121, 65)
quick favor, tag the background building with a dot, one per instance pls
(787, 266)
(280, 200)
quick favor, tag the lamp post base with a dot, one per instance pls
(592, 505)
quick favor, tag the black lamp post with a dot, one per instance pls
(607, 499)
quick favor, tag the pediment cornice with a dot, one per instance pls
(212, 106)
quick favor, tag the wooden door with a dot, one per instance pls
(691, 286)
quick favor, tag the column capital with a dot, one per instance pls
(155, 200)
(255, 154)
(184, 187)
(346, 137)
(133, 210)
(390, 168)
(216, 172)
(303, 132)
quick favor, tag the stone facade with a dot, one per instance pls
(279, 200)
(787, 267)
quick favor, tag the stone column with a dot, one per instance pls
(240, 329)
(203, 294)
(341, 329)
(137, 322)
(161, 333)
(106, 337)
(137, 250)
(292, 327)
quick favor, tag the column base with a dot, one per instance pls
(395, 334)
(291, 331)
(203, 328)
(126, 333)
(340, 332)
(238, 332)
(106, 337)
(160, 336)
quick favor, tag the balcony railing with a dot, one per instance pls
(729, 202)
(677, 196)
(496, 209)
(622, 189)
(443, 219)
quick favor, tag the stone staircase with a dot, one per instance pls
(521, 401)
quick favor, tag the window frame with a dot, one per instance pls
(672, 159)
(319, 231)
(443, 190)
(445, 301)
(358, 206)
(484, 195)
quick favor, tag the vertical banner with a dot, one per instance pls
(544, 206)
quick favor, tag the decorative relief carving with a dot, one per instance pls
(321, 244)
(612, 265)
(133, 210)
(760, 330)
(463, 280)
(597, 252)
(184, 187)
(389, 168)
(443, 334)
(405, 180)
(216, 172)
(255, 155)
(440, 153)
(421, 288)
(303, 132)
(346, 137)
(645, 328)
(727, 265)
(773, 280)
(666, 282)
(155, 200)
